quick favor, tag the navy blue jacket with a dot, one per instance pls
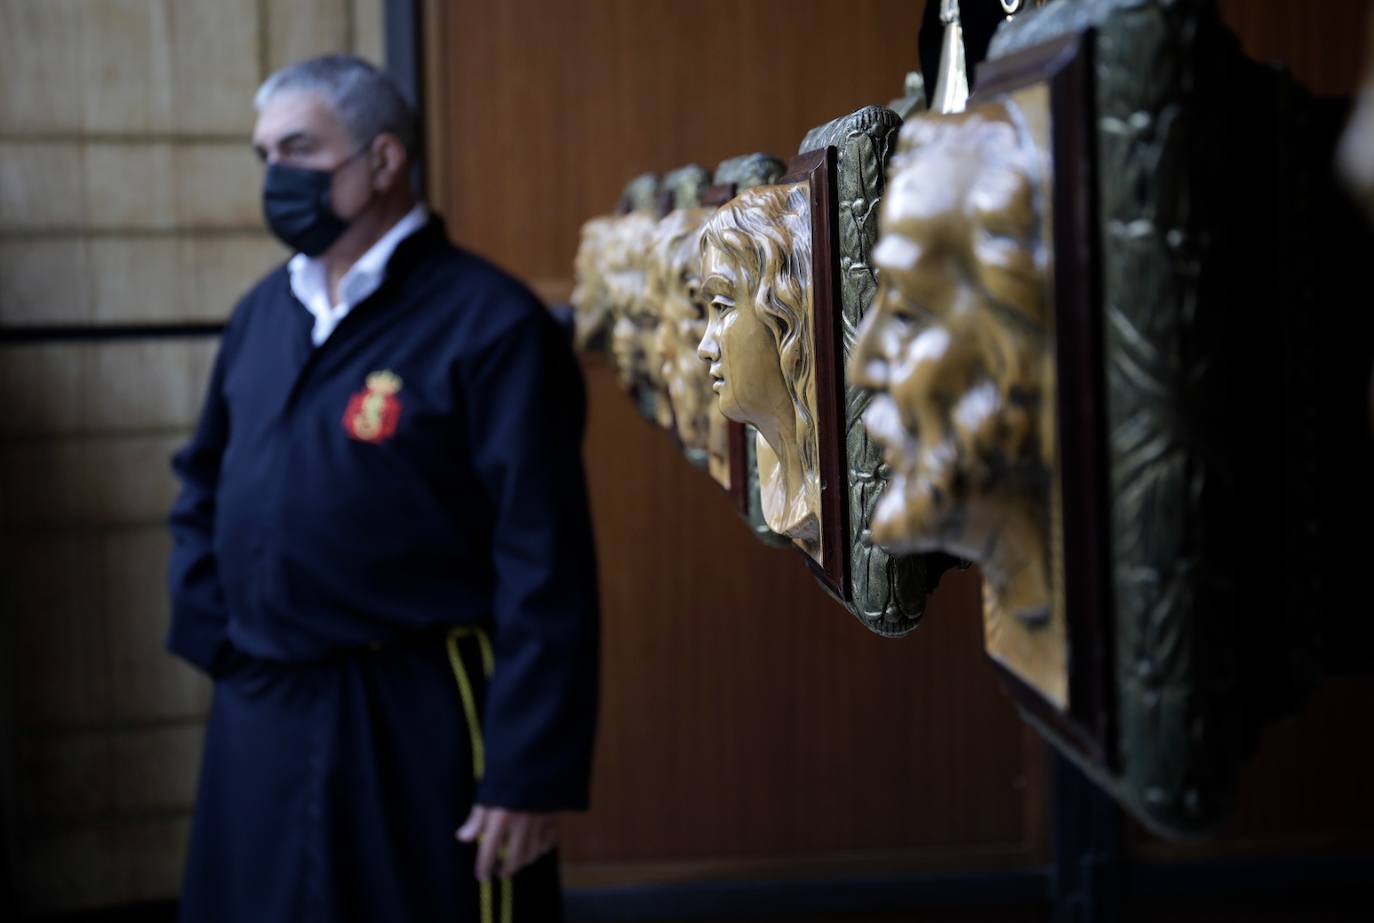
(296, 541)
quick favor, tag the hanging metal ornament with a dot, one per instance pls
(951, 86)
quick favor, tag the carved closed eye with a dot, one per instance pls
(909, 316)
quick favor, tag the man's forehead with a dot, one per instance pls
(295, 112)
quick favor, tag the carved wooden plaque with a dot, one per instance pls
(1046, 90)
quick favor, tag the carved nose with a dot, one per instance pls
(707, 349)
(867, 367)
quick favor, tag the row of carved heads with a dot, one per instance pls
(637, 296)
(707, 312)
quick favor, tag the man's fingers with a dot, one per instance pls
(518, 843)
(507, 841)
(473, 825)
(490, 841)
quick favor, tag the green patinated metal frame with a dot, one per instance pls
(886, 592)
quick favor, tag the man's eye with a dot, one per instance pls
(722, 305)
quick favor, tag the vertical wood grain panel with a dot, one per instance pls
(551, 108)
(748, 717)
(1320, 42)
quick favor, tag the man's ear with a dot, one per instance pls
(389, 161)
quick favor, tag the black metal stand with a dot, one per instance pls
(1086, 837)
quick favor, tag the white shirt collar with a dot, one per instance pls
(363, 278)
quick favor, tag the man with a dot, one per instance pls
(383, 553)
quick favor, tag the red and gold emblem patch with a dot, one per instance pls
(373, 413)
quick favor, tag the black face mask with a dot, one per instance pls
(295, 202)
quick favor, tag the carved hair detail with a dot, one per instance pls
(767, 233)
(999, 245)
(994, 238)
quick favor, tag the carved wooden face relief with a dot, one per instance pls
(674, 291)
(717, 442)
(626, 254)
(590, 298)
(760, 348)
(958, 349)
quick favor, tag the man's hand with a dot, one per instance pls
(513, 839)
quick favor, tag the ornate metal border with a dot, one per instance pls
(887, 592)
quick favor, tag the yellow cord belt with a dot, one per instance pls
(479, 753)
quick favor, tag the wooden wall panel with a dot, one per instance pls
(1320, 42)
(751, 725)
(548, 109)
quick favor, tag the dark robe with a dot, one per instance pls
(337, 531)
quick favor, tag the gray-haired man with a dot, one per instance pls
(383, 554)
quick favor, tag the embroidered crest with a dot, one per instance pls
(373, 413)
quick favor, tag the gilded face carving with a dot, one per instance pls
(674, 289)
(758, 344)
(958, 350)
(717, 442)
(626, 253)
(590, 297)
(741, 348)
